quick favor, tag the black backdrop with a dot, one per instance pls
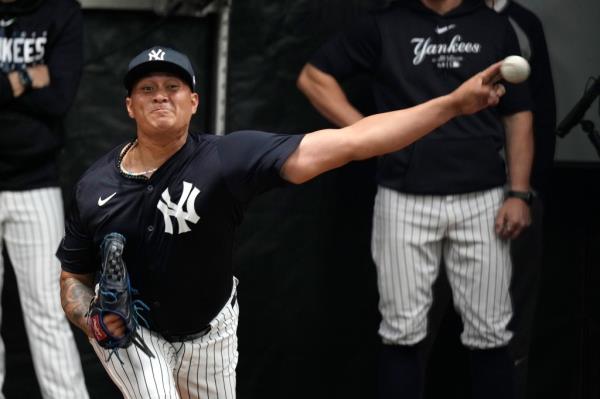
(308, 324)
(308, 294)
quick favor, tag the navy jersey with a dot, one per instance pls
(414, 55)
(179, 223)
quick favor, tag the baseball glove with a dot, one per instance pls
(114, 295)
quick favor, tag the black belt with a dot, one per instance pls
(195, 335)
(187, 337)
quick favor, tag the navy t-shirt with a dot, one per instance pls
(179, 223)
(413, 55)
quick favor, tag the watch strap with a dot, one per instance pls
(25, 79)
(526, 196)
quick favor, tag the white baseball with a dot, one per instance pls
(515, 69)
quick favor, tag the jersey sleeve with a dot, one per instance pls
(252, 161)
(351, 52)
(76, 251)
(518, 96)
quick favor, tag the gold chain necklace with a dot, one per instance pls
(142, 173)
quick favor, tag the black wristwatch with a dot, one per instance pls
(526, 196)
(25, 79)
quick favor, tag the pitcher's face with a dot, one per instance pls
(161, 102)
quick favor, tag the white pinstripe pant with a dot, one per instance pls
(31, 226)
(411, 233)
(200, 369)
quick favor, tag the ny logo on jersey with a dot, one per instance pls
(157, 54)
(169, 209)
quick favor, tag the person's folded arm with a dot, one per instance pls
(65, 64)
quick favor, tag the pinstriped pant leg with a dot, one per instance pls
(206, 368)
(33, 229)
(479, 269)
(406, 248)
(3, 215)
(139, 376)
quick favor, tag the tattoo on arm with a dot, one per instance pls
(75, 299)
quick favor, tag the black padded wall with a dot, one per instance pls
(565, 352)
(308, 324)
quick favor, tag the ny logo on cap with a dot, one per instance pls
(157, 54)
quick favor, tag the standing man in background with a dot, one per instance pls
(41, 58)
(443, 196)
(526, 250)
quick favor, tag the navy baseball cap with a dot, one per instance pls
(159, 59)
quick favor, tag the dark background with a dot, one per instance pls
(308, 297)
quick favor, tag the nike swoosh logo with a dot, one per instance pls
(102, 202)
(6, 22)
(444, 29)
